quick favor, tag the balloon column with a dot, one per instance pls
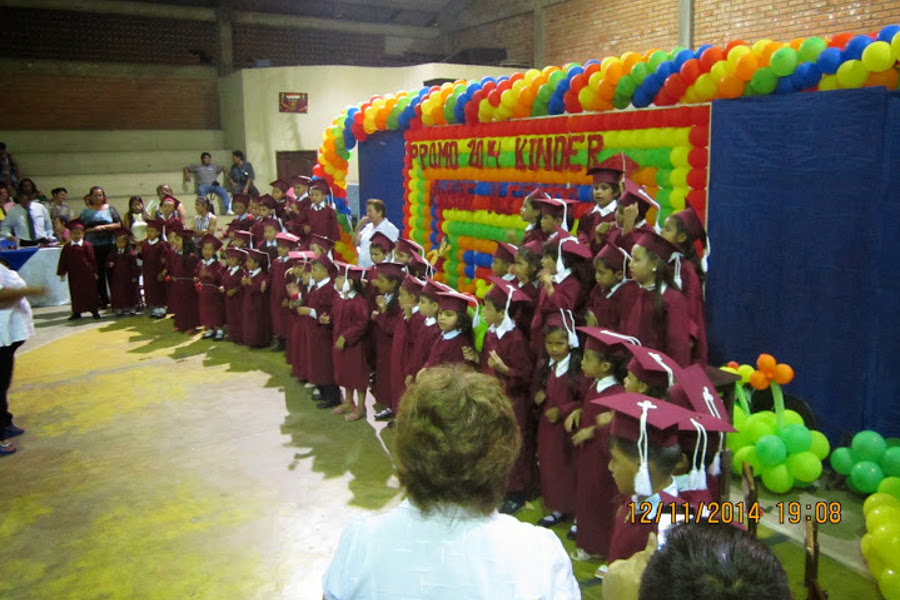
(778, 445)
(881, 544)
(868, 461)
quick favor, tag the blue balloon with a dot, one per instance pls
(556, 106)
(807, 76)
(855, 47)
(701, 49)
(585, 193)
(652, 84)
(665, 69)
(887, 34)
(483, 260)
(470, 271)
(592, 61)
(352, 111)
(434, 236)
(483, 188)
(472, 88)
(829, 60)
(682, 57)
(349, 140)
(574, 70)
(459, 110)
(469, 257)
(486, 79)
(434, 213)
(562, 87)
(786, 85)
(641, 99)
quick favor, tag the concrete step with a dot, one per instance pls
(37, 141)
(119, 184)
(51, 165)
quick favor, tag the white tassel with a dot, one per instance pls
(659, 360)
(642, 485)
(677, 275)
(715, 468)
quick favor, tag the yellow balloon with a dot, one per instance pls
(828, 82)
(852, 74)
(736, 53)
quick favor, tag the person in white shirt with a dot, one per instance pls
(374, 221)
(457, 439)
(16, 326)
(28, 222)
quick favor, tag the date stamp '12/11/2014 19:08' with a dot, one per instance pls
(733, 512)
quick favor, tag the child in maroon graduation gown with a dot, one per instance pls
(242, 220)
(278, 298)
(181, 267)
(683, 229)
(659, 317)
(298, 291)
(608, 186)
(256, 324)
(77, 260)
(595, 491)
(350, 316)
(387, 313)
(612, 295)
(429, 332)
(645, 487)
(455, 343)
(406, 333)
(319, 331)
(560, 287)
(505, 355)
(232, 283)
(153, 252)
(321, 217)
(561, 388)
(210, 295)
(531, 214)
(124, 271)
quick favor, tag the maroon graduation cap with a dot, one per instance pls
(613, 169)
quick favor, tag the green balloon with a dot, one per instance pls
(736, 441)
(657, 58)
(778, 479)
(891, 442)
(804, 466)
(639, 72)
(890, 462)
(745, 454)
(890, 485)
(764, 81)
(783, 61)
(796, 438)
(545, 92)
(625, 87)
(770, 450)
(866, 476)
(792, 416)
(756, 428)
(842, 461)
(811, 48)
(868, 446)
(819, 445)
(555, 77)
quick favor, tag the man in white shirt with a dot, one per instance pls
(16, 326)
(29, 222)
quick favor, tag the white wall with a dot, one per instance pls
(330, 89)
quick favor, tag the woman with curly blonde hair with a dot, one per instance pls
(457, 439)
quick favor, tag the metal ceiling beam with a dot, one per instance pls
(456, 15)
(272, 20)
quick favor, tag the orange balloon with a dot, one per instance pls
(759, 381)
(783, 374)
(732, 364)
(746, 66)
(886, 78)
(731, 86)
(766, 362)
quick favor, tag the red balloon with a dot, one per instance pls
(698, 158)
(571, 102)
(710, 57)
(494, 98)
(578, 82)
(504, 85)
(696, 178)
(488, 87)
(675, 86)
(591, 69)
(697, 198)
(690, 71)
(699, 135)
(840, 40)
(664, 99)
(516, 77)
(732, 44)
(318, 170)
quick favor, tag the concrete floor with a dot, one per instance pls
(157, 465)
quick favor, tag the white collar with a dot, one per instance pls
(450, 335)
(153, 242)
(349, 295)
(320, 284)
(318, 206)
(529, 227)
(509, 277)
(388, 298)
(613, 289)
(78, 243)
(605, 210)
(655, 499)
(209, 261)
(558, 278)
(561, 367)
(234, 269)
(255, 272)
(120, 251)
(430, 321)
(604, 383)
(415, 309)
(271, 243)
(652, 286)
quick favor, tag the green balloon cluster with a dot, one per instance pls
(881, 543)
(869, 459)
(784, 456)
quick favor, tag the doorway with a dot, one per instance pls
(295, 162)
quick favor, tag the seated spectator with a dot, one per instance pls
(60, 213)
(699, 561)
(207, 175)
(6, 201)
(9, 169)
(457, 439)
(29, 222)
(162, 191)
(241, 175)
(205, 219)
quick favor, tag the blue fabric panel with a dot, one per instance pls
(798, 226)
(17, 258)
(381, 173)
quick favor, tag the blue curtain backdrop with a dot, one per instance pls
(381, 173)
(802, 215)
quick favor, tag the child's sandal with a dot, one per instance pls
(355, 415)
(340, 409)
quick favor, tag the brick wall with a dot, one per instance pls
(516, 34)
(717, 22)
(581, 29)
(72, 102)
